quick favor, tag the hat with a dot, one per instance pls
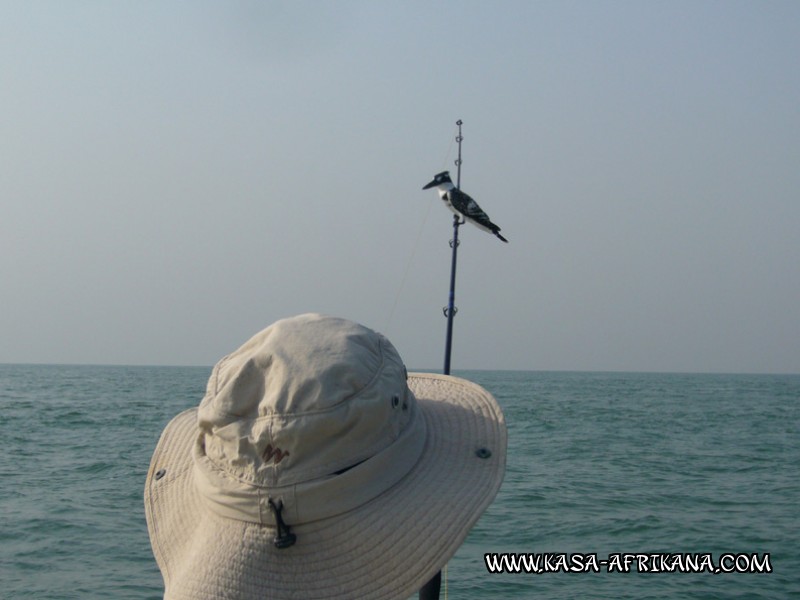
(317, 467)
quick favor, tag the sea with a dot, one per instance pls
(618, 485)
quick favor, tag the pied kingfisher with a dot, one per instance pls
(461, 204)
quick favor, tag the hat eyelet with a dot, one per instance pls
(395, 401)
(160, 474)
(483, 453)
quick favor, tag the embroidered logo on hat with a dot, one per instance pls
(271, 452)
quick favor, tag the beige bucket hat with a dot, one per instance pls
(317, 467)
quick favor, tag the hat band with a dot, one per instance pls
(311, 500)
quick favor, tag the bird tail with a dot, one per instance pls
(497, 233)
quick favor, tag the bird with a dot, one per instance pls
(462, 204)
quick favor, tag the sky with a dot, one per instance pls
(177, 175)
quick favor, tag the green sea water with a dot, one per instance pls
(599, 464)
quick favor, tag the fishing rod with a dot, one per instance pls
(432, 589)
(450, 310)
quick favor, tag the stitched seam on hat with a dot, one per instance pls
(320, 411)
(375, 376)
(217, 369)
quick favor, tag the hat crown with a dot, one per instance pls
(305, 398)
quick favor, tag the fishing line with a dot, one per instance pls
(449, 149)
(408, 264)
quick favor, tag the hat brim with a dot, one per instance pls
(386, 548)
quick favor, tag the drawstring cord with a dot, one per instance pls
(284, 537)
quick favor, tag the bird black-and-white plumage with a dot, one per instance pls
(461, 204)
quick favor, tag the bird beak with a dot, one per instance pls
(430, 185)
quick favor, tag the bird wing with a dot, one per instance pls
(464, 204)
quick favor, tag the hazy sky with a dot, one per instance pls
(174, 176)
